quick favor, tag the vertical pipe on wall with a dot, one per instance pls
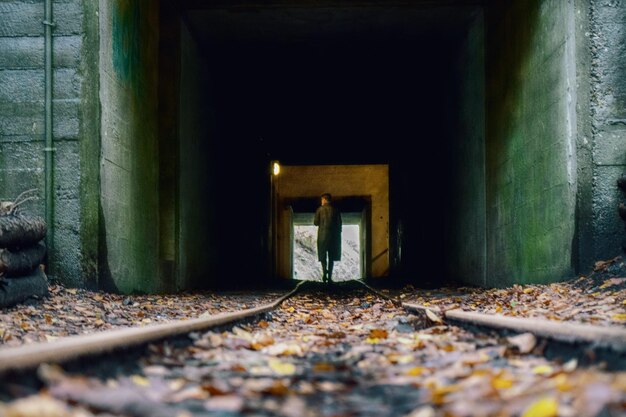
(49, 145)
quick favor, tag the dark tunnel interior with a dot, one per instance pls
(318, 86)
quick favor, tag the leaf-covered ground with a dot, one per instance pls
(598, 299)
(69, 311)
(347, 354)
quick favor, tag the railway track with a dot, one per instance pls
(351, 348)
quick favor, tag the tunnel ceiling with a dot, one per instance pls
(293, 24)
(363, 79)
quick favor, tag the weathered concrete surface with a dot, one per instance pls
(197, 175)
(22, 124)
(607, 43)
(129, 156)
(466, 227)
(341, 181)
(531, 136)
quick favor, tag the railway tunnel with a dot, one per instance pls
(450, 122)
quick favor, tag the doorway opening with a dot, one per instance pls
(305, 258)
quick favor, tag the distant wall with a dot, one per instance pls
(604, 42)
(75, 125)
(340, 181)
(129, 161)
(530, 142)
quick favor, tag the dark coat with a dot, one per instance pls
(328, 220)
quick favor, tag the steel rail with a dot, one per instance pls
(71, 348)
(609, 337)
(606, 337)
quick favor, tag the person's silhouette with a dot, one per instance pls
(328, 220)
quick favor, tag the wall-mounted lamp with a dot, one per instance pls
(276, 168)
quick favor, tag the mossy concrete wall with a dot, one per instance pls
(605, 43)
(129, 163)
(530, 142)
(73, 259)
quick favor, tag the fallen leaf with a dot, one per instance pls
(378, 334)
(524, 342)
(571, 365)
(620, 317)
(323, 367)
(278, 388)
(611, 282)
(246, 335)
(140, 380)
(230, 403)
(542, 370)
(282, 368)
(501, 383)
(426, 411)
(416, 371)
(545, 407)
(432, 316)
(36, 406)
(189, 393)
(284, 349)
(261, 341)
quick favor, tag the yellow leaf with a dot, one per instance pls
(417, 371)
(140, 380)
(71, 290)
(621, 316)
(562, 383)
(291, 309)
(501, 383)
(624, 302)
(542, 370)
(545, 407)
(282, 368)
(372, 340)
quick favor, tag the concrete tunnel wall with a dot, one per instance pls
(75, 126)
(129, 250)
(530, 141)
(602, 139)
(197, 176)
(466, 227)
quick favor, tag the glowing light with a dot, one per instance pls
(276, 168)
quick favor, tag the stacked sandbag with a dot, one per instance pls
(21, 253)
